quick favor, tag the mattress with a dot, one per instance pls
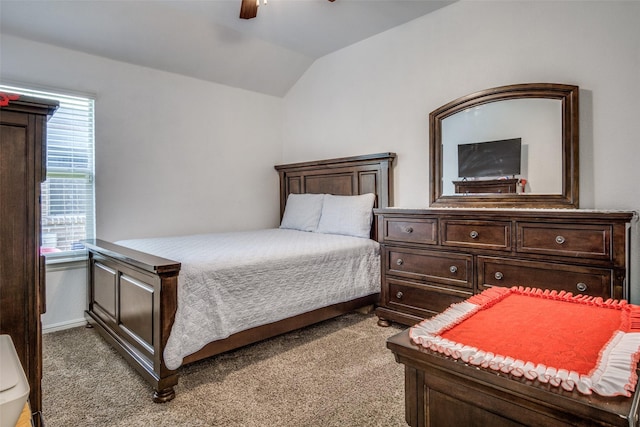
(230, 282)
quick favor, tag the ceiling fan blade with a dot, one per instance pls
(248, 9)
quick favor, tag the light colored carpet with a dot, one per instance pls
(337, 373)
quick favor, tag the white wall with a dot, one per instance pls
(174, 154)
(66, 297)
(376, 95)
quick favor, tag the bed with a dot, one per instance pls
(137, 289)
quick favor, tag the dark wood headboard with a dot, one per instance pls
(346, 176)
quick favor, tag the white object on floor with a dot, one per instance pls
(14, 387)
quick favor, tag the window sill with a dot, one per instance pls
(66, 261)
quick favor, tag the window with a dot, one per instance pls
(68, 204)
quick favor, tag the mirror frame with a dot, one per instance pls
(568, 94)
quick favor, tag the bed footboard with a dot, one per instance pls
(132, 301)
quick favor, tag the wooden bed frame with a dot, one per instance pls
(132, 296)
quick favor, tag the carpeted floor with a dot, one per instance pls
(337, 373)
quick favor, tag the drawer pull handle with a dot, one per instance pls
(581, 287)
(473, 234)
(408, 230)
(453, 269)
(498, 275)
(560, 240)
(399, 295)
(399, 261)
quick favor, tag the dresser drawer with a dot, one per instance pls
(421, 299)
(430, 266)
(495, 235)
(544, 275)
(573, 240)
(407, 230)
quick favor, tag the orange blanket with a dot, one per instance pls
(555, 337)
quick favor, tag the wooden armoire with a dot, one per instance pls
(23, 124)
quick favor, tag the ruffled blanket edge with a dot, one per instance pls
(615, 371)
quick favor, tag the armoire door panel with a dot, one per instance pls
(22, 151)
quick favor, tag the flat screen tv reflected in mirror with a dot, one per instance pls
(490, 159)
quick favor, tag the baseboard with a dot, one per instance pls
(54, 327)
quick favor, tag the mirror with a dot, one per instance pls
(510, 146)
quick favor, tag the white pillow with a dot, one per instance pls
(302, 212)
(348, 215)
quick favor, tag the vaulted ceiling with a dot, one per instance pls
(206, 39)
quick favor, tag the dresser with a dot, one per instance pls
(22, 270)
(498, 186)
(432, 258)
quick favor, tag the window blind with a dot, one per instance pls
(67, 196)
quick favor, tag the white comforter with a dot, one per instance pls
(230, 282)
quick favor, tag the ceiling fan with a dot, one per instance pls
(249, 8)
